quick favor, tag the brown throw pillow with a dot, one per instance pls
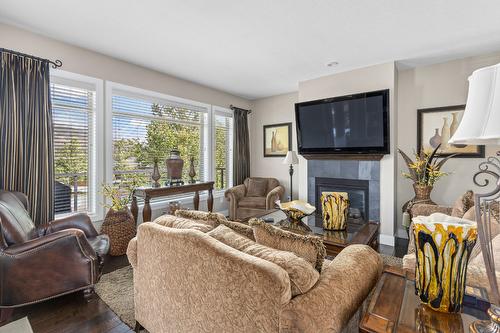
(302, 276)
(309, 247)
(212, 219)
(181, 223)
(257, 187)
(240, 228)
(463, 204)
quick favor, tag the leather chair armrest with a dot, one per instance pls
(344, 284)
(274, 195)
(46, 267)
(76, 221)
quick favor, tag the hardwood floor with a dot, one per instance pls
(74, 314)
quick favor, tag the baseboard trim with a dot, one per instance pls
(387, 240)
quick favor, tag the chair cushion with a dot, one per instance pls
(17, 226)
(253, 202)
(463, 204)
(302, 276)
(212, 219)
(309, 247)
(181, 223)
(257, 187)
(100, 244)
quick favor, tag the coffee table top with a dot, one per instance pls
(394, 307)
(357, 232)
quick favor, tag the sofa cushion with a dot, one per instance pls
(242, 229)
(212, 219)
(257, 187)
(463, 204)
(309, 247)
(302, 275)
(253, 202)
(181, 223)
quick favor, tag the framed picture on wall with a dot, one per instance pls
(437, 125)
(277, 139)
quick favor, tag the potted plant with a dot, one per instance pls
(119, 223)
(424, 171)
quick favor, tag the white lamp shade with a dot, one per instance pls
(291, 158)
(480, 123)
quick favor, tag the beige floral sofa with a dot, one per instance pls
(187, 279)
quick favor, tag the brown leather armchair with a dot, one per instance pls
(38, 263)
(253, 197)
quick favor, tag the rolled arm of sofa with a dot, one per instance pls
(78, 221)
(273, 196)
(233, 195)
(132, 252)
(341, 289)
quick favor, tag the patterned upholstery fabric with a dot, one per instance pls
(302, 275)
(242, 229)
(212, 219)
(257, 187)
(309, 247)
(253, 202)
(199, 284)
(463, 204)
(182, 223)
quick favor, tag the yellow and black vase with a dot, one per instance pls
(443, 246)
(335, 209)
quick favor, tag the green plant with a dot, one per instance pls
(426, 169)
(120, 194)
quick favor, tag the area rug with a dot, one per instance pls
(117, 291)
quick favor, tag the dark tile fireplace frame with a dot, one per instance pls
(325, 184)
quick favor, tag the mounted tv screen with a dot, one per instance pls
(353, 124)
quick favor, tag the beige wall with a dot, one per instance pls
(434, 86)
(266, 111)
(86, 62)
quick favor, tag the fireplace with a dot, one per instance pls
(357, 189)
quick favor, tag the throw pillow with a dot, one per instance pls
(240, 228)
(309, 247)
(463, 204)
(212, 219)
(181, 223)
(257, 187)
(302, 276)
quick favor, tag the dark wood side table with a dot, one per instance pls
(394, 307)
(148, 193)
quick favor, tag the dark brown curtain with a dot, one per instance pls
(26, 138)
(241, 146)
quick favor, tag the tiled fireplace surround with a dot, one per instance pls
(347, 170)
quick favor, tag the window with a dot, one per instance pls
(223, 120)
(74, 114)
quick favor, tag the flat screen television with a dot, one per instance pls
(352, 124)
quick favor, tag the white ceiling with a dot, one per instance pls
(258, 48)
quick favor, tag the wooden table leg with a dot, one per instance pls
(210, 201)
(146, 212)
(134, 208)
(196, 200)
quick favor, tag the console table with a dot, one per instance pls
(147, 193)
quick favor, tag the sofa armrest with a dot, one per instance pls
(341, 289)
(77, 221)
(132, 252)
(274, 195)
(236, 193)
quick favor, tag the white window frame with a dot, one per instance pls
(96, 141)
(229, 113)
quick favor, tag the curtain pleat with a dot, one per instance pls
(241, 147)
(26, 137)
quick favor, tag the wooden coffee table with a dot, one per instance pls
(357, 232)
(394, 307)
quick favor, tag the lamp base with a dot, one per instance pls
(488, 326)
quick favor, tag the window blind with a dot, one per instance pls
(73, 114)
(223, 149)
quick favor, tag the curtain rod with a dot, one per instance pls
(232, 107)
(55, 64)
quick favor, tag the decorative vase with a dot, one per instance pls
(121, 228)
(174, 167)
(335, 209)
(436, 139)
(295, 211)
(445, 134)
(422, 196)
(442, 246)
(273, 142)
(192, 171)
(454, 123)
(156, 175)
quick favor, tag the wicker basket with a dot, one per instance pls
(120, 227)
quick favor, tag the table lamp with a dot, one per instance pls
(291, 159)
(480, 125)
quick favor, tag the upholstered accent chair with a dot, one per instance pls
(253, 197)
(39, 263)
